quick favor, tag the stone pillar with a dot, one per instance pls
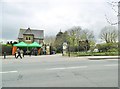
(64, 48)
(47, 49)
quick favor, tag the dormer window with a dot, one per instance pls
(28, 38)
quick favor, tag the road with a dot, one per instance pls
(58, 71)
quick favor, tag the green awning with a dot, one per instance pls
(35, 44)
(21, 44)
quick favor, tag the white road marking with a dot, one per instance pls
(8, 72)
(62, 68)
(111, 65)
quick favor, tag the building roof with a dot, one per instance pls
(28, 31)
(36, 33)
(59, 33)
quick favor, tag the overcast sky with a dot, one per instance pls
(53, 15)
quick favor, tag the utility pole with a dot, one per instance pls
(119, 17)
(119, 27)
(119, 37)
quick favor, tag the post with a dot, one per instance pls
(119, 18)
(4, 55)
(119, 28)
(50, 48)
(78, 47)
(118, 39)
(69, 49)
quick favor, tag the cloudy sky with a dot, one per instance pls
(53, 15)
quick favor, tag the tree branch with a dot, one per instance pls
(112, 3)
(110, 21)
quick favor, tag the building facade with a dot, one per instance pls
(31, 35)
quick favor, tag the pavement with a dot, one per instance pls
(59, 71)
(58, 55)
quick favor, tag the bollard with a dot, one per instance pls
(69, 54)
(4, 55)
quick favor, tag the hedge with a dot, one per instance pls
(7, 49)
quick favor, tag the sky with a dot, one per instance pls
(53, 15)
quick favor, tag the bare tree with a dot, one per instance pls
(74, 35)
(77, 35)
(114, 6)
(49, 39)
(87, 35)
(109, 34)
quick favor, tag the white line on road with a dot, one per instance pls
(111, 65)
(8, 72)
(62, 68)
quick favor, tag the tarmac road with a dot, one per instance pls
(58, 71)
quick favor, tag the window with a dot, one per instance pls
(29, 38)
(26, 38)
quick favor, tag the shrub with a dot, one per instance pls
(113, 50)
(106, 47)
